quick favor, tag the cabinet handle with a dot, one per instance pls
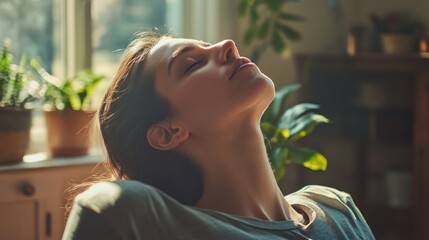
(48, 222)
(28, 189)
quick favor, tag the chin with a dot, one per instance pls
(265, 90)
(269, 85)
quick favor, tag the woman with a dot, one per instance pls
(180, 124)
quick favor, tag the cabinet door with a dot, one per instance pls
(18, 220)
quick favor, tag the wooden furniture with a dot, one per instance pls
(33, 195)
(338, 84)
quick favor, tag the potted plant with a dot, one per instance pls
(282, 127)
(67, 111)
(398, 32)
(18, 89)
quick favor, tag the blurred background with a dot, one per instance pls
(375, 93)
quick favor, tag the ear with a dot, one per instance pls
(163, 136)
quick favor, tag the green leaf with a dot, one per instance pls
(278, 163)
(305, 124)
(274, 5)
(290, 17)
(280, 135)
(277, 42)
(279, 156)
(294, 112)
(284, 132)
(248, 35)
(289, 32)
(242, 7)
(279, 173)
(253, 16)
(268, 129)
(264, 28)
(307, 157)
(275, 109)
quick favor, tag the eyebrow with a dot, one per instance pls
(182, 50)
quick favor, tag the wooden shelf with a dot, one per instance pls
(43, 160)
(335, 82)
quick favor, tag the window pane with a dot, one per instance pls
(31, 26)
(115, 22)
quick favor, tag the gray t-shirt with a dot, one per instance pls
(133, 210)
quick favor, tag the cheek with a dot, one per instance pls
(204, 93)
(204, 96)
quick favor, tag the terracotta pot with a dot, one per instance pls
(68, 133)
(15, 127)
(398, 43)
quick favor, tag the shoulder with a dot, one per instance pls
(323, 193)
(327, 198)
(122, 195)
(117, 210)
(335, 207)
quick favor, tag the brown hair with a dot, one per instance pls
(130, 107)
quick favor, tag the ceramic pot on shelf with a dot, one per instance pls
(68, 132)
(398, 43)
(15, 127)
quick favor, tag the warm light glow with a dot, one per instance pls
(36, 157)
(423, 45)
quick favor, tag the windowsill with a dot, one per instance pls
(43, 160)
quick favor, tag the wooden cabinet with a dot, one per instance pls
(33, 196)
(379, 107)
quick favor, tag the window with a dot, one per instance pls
(31, 27)
(113, 24)
(29, 24)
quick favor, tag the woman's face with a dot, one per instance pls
(208, 85)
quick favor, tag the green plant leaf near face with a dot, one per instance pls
(253, 15)
(242, 7)
(279, 156)
(291, 114)
(277, 43)
(274, 5)
(264, 28)
(249, 35)
(278, 163)
(305, 124)
(307, 157)
(275, 109)
(280, 136)
(268, 129)
(290, 17)
(289, 32)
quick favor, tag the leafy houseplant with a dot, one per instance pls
(18, 89)
(268, 26)
(67, 114)
(282, 128)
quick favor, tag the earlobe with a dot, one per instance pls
(163, 137)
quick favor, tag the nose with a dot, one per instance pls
(228, 52)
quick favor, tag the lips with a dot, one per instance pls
(238, 64)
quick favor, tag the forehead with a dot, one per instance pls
(162, 52)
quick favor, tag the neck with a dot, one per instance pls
(237, 175)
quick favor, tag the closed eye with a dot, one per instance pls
(193, 66)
